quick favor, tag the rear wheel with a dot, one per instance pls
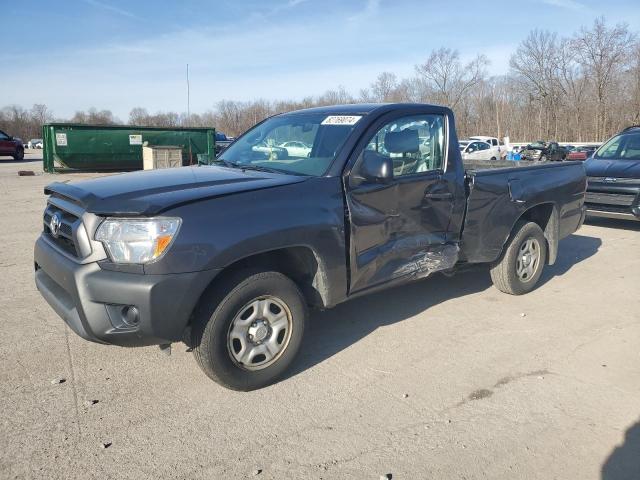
(248, 332)
(19, 155)
(523, 260)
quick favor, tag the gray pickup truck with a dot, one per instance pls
(229, 257)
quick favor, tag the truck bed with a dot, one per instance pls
(477, 165)
(499, 193)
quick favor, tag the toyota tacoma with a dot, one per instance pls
(228, 258)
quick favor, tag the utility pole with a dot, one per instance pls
(188, 99)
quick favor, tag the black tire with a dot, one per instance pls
(543, 158)
(504, 273)
(216, 313)
(19, 155)
(493, 159)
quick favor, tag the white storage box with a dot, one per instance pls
(161, 156)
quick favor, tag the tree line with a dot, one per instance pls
(582, 87)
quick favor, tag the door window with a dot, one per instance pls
(483, 146)
(414, 143)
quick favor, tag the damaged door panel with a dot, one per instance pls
(400, 227)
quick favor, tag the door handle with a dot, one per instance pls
(438, 196)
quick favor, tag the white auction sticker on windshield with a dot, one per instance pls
(341, 120)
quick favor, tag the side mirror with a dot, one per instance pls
(376, 168)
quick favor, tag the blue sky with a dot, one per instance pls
(119, 54)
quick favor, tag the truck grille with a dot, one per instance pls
(615, 181)
(64, 237)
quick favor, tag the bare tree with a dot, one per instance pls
(535, 64)
(139, 116)
(448, 78)
(41, 114)
(383, 87)
(634, 85)
(94, 117)
(603, 52)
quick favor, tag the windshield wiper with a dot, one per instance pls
(225, 163)
(250, 166)
(259, 168)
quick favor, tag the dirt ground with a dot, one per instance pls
(446, 378)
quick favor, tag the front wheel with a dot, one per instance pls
(19, 155)
(523, 260)
(543, 158)
(247, 333)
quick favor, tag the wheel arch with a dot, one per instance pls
(545, 215)
(300, 263)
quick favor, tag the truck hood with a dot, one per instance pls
(153, 191)
(612, 168)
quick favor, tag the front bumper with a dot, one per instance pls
(92, 301)
(594, 212)
(610, 200)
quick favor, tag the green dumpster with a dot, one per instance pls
(69, 146)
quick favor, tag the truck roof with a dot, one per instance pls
(482, 137)
(363, 108)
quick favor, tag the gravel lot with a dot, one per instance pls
(443, 379)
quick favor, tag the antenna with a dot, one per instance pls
(188, 99)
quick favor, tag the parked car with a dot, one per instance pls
(270, 151)
(222, 142)
(296, 148)
(614, 177)
(229, 257)
(498, 150)
(477, 150)
(34, 143)
(11, 146)
(580, 153)
(543, 152)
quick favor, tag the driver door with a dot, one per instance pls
(400, 227)
(485, 151)
(473, 151)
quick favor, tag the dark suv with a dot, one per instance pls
(614, 177)
(11, 146)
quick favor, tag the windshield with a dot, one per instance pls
(623, 147)
(463, 145)
(302, 144)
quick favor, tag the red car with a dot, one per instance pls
(11, 146)
(580, 153)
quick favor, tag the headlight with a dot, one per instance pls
(137, 240)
